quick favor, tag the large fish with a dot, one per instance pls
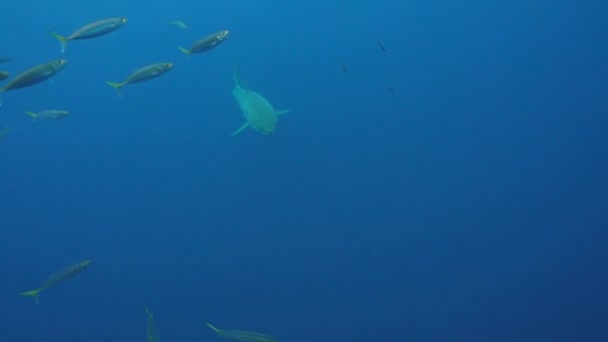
(64, 275)
(242, 335)
(35, 75)
(140, 75)
(258, 112)
(95, 29)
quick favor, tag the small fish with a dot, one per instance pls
(140, 75)
(5, 59)
(206, 43)
(243, 336)
(48, 114)
(95, 29)
(179, 24)
(64, 275)
(35, 75)
(4, 75)
(390, 90)
(381, 47)
(151, 327)
(4, 132)
(344, 68)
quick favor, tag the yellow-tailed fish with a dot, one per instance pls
(48, 114)
(95, 29)
(4, 75)
(258, 112)
(58, 278)
(243, 336)
(206, 43)
(140, 75)
(35, 75)
(151, 327)
(179, 24)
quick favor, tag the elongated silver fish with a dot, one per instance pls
(64, 275)
(151, 327)
(49, 114)
(243, 335)
(92, 30)
(35, 75)
(144, 74)
(206, 43)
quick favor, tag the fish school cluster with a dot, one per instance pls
(73, 270)
(258, 112)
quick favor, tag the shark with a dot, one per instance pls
(258, 112)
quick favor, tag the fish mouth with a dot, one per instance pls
(169, 65)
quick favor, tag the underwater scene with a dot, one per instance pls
(303, 171)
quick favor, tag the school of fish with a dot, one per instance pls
(259, 114)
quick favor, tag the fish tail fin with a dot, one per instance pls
(32, 114)
(212, 327)
(63, 40)
(184, 51)
(148, 312)
(117, 86)
(32, 293)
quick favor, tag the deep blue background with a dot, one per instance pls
(471, 205)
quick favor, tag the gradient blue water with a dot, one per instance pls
(469, 206)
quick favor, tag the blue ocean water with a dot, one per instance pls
(450, 188)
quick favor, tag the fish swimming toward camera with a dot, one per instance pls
(207, 43)
(64, 275)
(35, 75)
(92, 30)
(143, 74)
(151, 327)
(258, 112)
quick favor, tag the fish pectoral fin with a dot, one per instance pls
(284, 111)
(245, 125)
(32, 293)
(184, 50)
